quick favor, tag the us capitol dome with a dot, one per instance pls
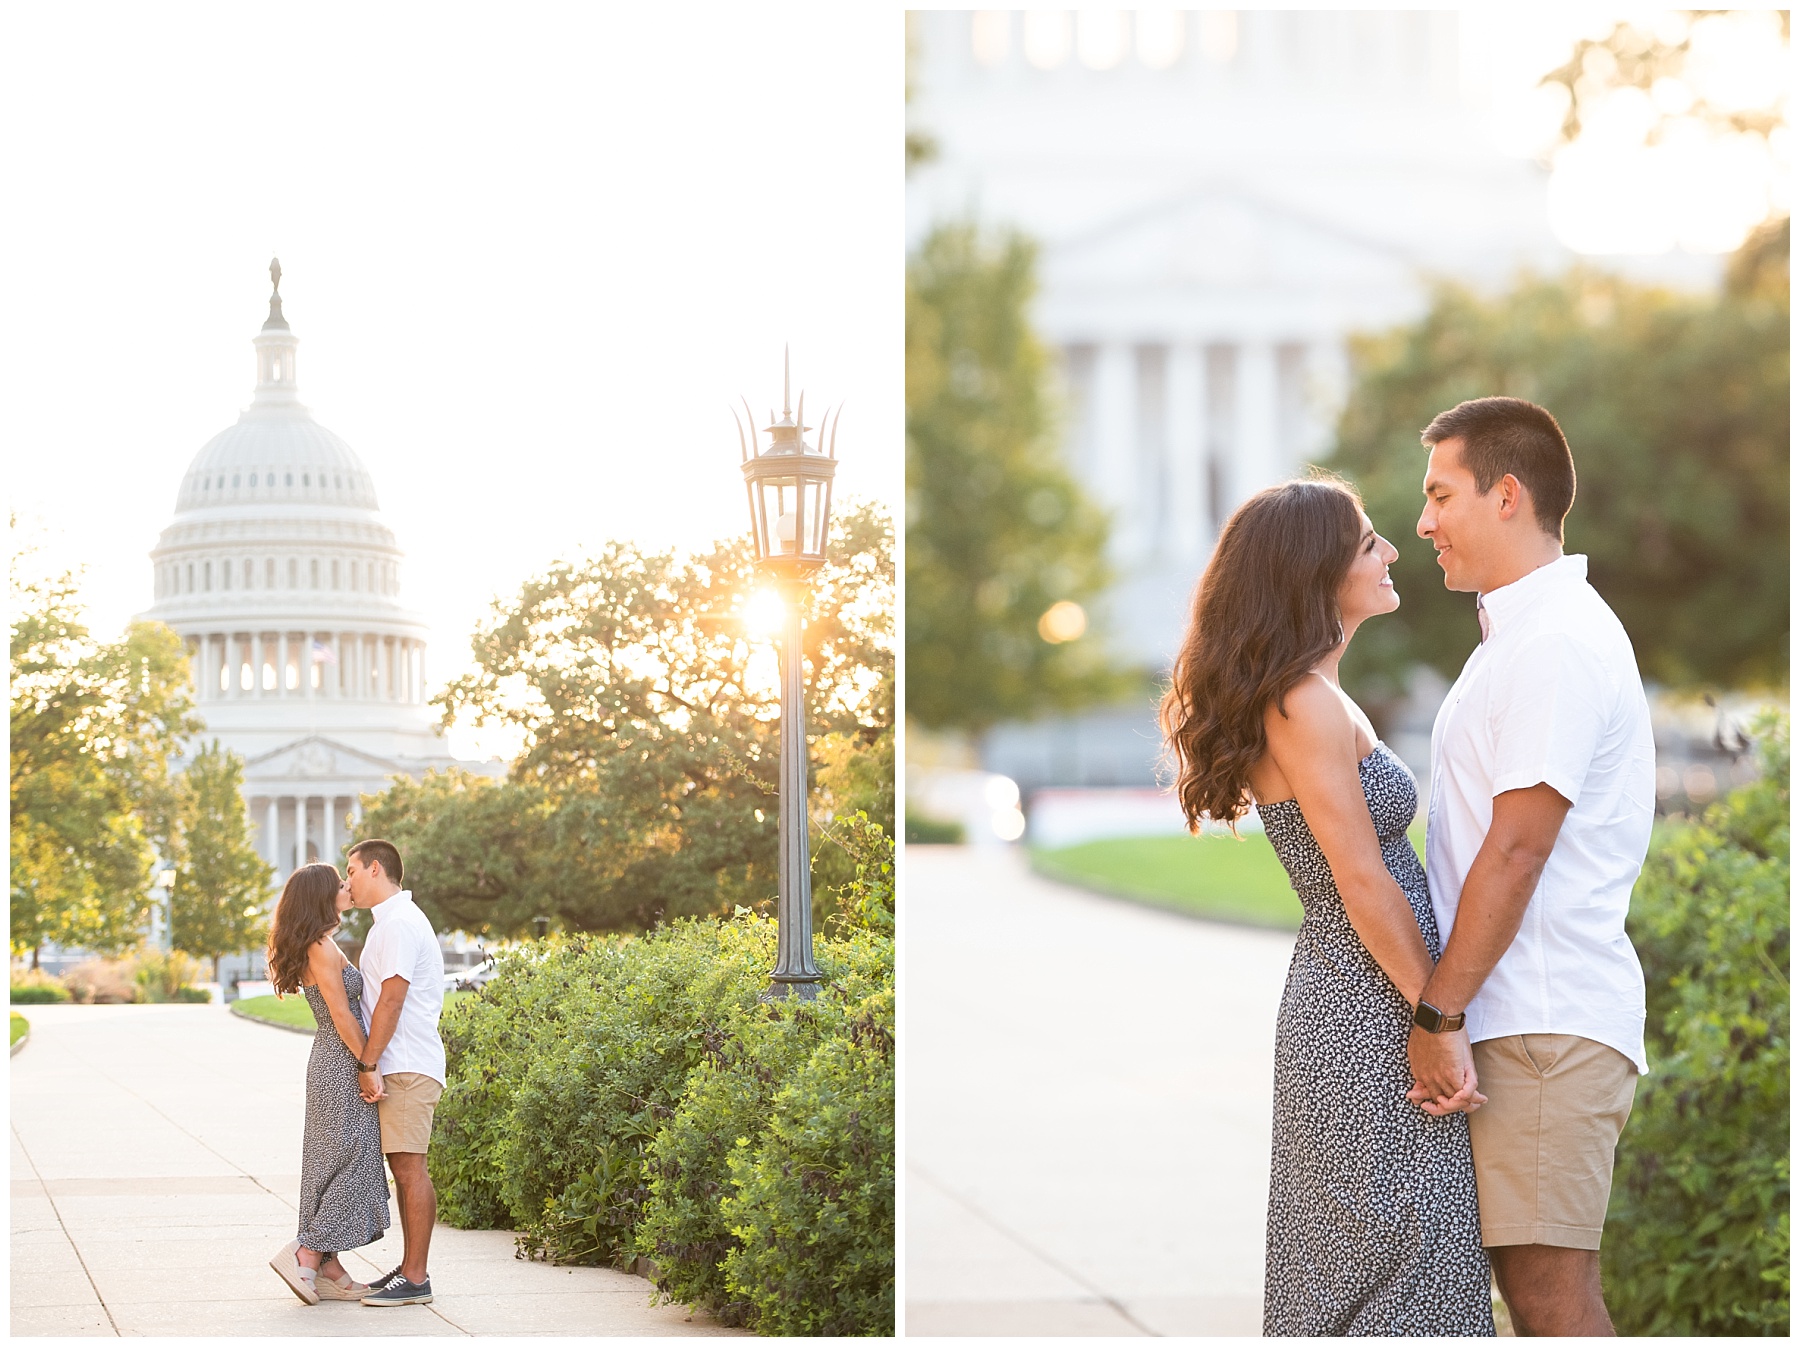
(283, 582)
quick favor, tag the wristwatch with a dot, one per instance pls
(363, 1067)
(1434, 1021)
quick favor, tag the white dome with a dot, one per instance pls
(276, 455)
(284, 582)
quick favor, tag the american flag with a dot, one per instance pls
(321, 653)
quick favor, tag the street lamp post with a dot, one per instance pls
(789, 491)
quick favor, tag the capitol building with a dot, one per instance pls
(284, 584)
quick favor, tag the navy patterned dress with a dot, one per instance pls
(343, 1187)
(1373, 1223)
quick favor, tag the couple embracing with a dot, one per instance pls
(374, 1077)
(1459, 1042)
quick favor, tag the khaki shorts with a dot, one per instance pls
(1544, 1141)
(406, 1112)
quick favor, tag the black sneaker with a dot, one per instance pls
(396, 1290)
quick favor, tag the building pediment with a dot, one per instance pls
(1217, 239)
(316, 757)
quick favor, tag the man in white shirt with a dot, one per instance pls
(1542, 796)
(402, 967)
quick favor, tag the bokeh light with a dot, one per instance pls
(1061, 622)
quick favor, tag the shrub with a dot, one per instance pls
(923, 830)
(1697, 1234)
(102, 982)
(724, 1135)
(613, 1096)
(37, 988)
(161, 977)
(813, 1204)
(594, 1099)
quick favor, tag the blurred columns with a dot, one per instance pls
(1115, 443)
(1258, 457)
(1185, 436)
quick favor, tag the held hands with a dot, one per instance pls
(1443, 1070)
(369, 1083)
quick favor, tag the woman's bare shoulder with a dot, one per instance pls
(1311, 705)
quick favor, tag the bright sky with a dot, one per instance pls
(532, 254)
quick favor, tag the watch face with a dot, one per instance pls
(1429, 1018)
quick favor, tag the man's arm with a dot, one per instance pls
(1494, 898)
(386, 1017)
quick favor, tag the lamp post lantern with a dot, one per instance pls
(789, 490)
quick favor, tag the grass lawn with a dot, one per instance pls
(1222, 878)
(19, 1027)
(293, 1010)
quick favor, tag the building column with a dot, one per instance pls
(328, 832)
(1185, 422)
(1258, 454)
(1115, 444)
(272, 835)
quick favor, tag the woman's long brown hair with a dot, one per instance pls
(306, 910)
(1265, 612)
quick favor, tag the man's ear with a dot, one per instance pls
(1513, 496)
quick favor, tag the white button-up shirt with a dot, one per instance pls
(402, 942)
(1551, 696)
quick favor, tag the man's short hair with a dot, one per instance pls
(377, 852)
(1502, 435)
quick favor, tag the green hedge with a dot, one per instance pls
(610, 1097)
(38, 993)
(1697, 1234)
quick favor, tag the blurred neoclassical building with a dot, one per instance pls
(1221, 198)
(281, 578)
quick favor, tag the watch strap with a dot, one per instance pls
(1434, 1021)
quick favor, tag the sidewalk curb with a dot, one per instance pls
(267, 1024)
(18, 1047)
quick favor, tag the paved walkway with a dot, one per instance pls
(1087, 1107)
(155, 1152)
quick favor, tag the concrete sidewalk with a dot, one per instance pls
(1088, 1095)
(155, 1158)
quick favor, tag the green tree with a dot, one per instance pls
(646, 786)
(997, 530)
(94, 726)
(221, 884)
(1676, 408)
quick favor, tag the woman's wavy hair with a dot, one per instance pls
(306, 910)
(1265, 612)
